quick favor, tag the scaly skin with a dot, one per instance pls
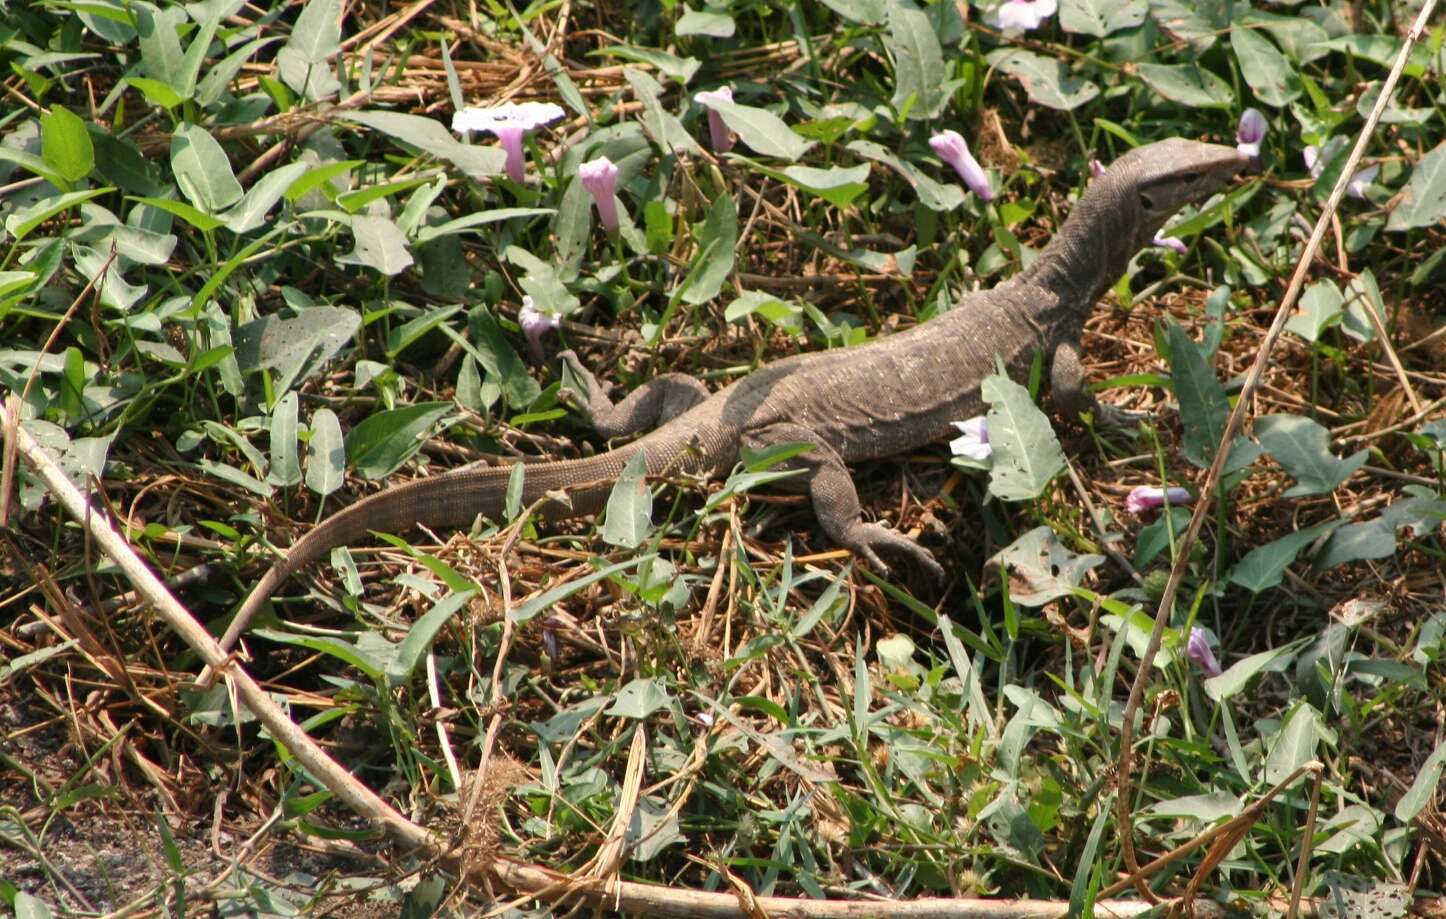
(877, 399)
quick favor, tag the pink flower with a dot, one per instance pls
(1198, 650)
(509, 121)
(1147, 497)
(1170, 242)
(600, 177)
(975, 442)
(951, 148)
(535, 324)
(1097, 168)
(718, 133)
(1022, 15)
(1250, 132)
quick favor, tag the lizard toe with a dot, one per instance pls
(866, 538)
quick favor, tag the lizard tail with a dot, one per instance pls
(453, 501)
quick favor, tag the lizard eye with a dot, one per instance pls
(1147, 201)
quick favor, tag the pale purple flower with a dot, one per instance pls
(1097, 168)
(1022, 15)
(1250, 132)
(1198, 650)
(1362, 178)
(1147, 497)
(1317, 158)
(535, 324)
(600, 177)
(1170, 242)
(974, 444)
(509, 121)
(718, 133)
(952, 149)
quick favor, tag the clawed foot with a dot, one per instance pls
(864, 538)
(1113, 418)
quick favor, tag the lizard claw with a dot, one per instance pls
(864, 538)
(1113, 418)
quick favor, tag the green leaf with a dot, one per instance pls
(1027, 455)
(1268, 72)
(500, 359)
(1198, 23)
(1363, 297)
(762, 130)
(65, 144)
(1424, 787)
(678, 69)
(382, 442)
(379, 245)
(326, 454)
(1187, 84)
(1047, 81)
(837, 185)
(202, 170)
(156, 92)
(1320, 308)
(867, 12)
(640, 698)
(1354, 542)
(430, 136)
(757, 302)
(1234, 680)
(629, 518)
(936, 196)
(1302, 448)
(1101, 17)
(707, 21)
(250, 212)
(661, 125)
(1203, 408)
(717, 245)
(302, 63)
(1040, 568)
(363, 659)
(1264, 566)
(531, 608)
(420, 636)
(478, 219)
(285, 466)
(161, 55)
(919, 72)
(1422, 203)
(20, 223)
(1295, 743)
(294, 347)
(198, 219)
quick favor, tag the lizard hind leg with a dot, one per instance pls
(836, 501)
(652, 404)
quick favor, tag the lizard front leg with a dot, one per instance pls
(652, 404)
(1072, 395)
(836, 501)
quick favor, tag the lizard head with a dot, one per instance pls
(1162, 177)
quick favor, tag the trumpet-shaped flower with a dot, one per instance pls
(1250, 132)
(1147, 497)
(1198, 650)
(1022, 15)
(1170, 242)
(952, 149)
(974, 444)
(535, 324)
(600, 178)
(718, 134)
(510, 121)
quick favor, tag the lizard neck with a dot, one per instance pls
(1091, 250)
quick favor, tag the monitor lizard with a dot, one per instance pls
(858, 403)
